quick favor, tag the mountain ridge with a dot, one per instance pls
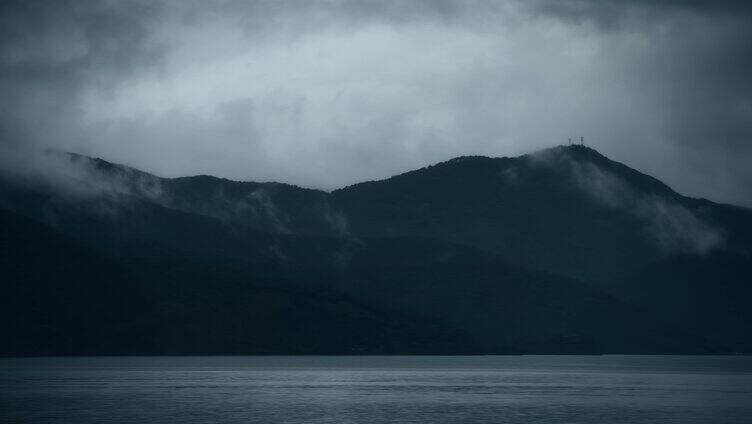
(557, 175)
(582, 152)
(532, 254)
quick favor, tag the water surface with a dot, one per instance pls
(417, 389)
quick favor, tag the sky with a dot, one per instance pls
(324, 94)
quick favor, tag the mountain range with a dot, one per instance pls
(558, 251)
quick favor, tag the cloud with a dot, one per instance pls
(328, 93)
(75, 177)
(669, 224)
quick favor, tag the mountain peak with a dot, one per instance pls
(572, 151)
(565, 157)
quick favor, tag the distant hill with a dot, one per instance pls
(568, 210)
(60, 297)
(559, 251)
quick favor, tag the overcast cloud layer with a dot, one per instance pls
(325, 94)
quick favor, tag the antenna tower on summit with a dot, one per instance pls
(582, 141)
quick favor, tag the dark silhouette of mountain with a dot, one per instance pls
(560, 251)
(61, 297)
(567, 210)
(709, 293)
(505, 307)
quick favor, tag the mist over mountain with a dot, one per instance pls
(558, 251)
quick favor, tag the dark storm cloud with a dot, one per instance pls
(613, 13)
(50, 51)
(329, 93)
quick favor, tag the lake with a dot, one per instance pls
(368, 389)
